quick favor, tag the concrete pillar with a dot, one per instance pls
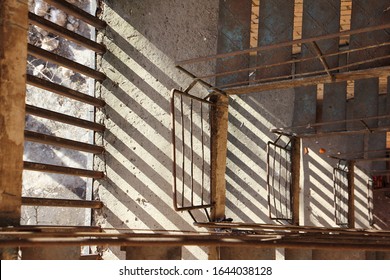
(13, 57)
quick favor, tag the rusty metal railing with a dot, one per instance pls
(279, 181)
(340, 191)
(328, 74)
(191, 151)
(53, 87)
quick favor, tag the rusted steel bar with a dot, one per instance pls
(43, 113)
(323, 79)
(203, 154)
(54, 202)
(36, 137)
(321, 58)
(78, 13)
(192, 150)
(183, 173)
(351, 194)
(203, 83)
(285, 44)
(338, 156)
(191, 96)
(330, 133)
(40, 167)
(91, 257)
(294, 228)
(334, 122)
(64, 91)
(305, 74)
(296, 60)
(66, 33)
(179, 204)
(184, 240)
(60, 60)
(50, 229)
(173, 132)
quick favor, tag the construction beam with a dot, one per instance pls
(13, 58)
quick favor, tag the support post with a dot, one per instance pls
(13, 57)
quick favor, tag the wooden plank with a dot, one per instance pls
(61, 142)
(51, 115)
(41, 167)
(276, 18)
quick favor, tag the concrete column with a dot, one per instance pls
(13, 57)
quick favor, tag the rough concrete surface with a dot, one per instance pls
(143, 39)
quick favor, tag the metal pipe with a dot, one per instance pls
(231, 241)
(286, 44)
(324, 79)
(321, 58)
(47, 114)
(292, 61)
(54, 202)
(295, 75)
(65, 33)
(41, 167)
(64, 91)
(36, 137)
(78, 13)
(70, 64)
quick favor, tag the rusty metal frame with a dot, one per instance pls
(290, 131)
(299, 237)
(313, 77)
(70, 94)
(276, 184)
(341, 193)
(370, 202)
(180, 204)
